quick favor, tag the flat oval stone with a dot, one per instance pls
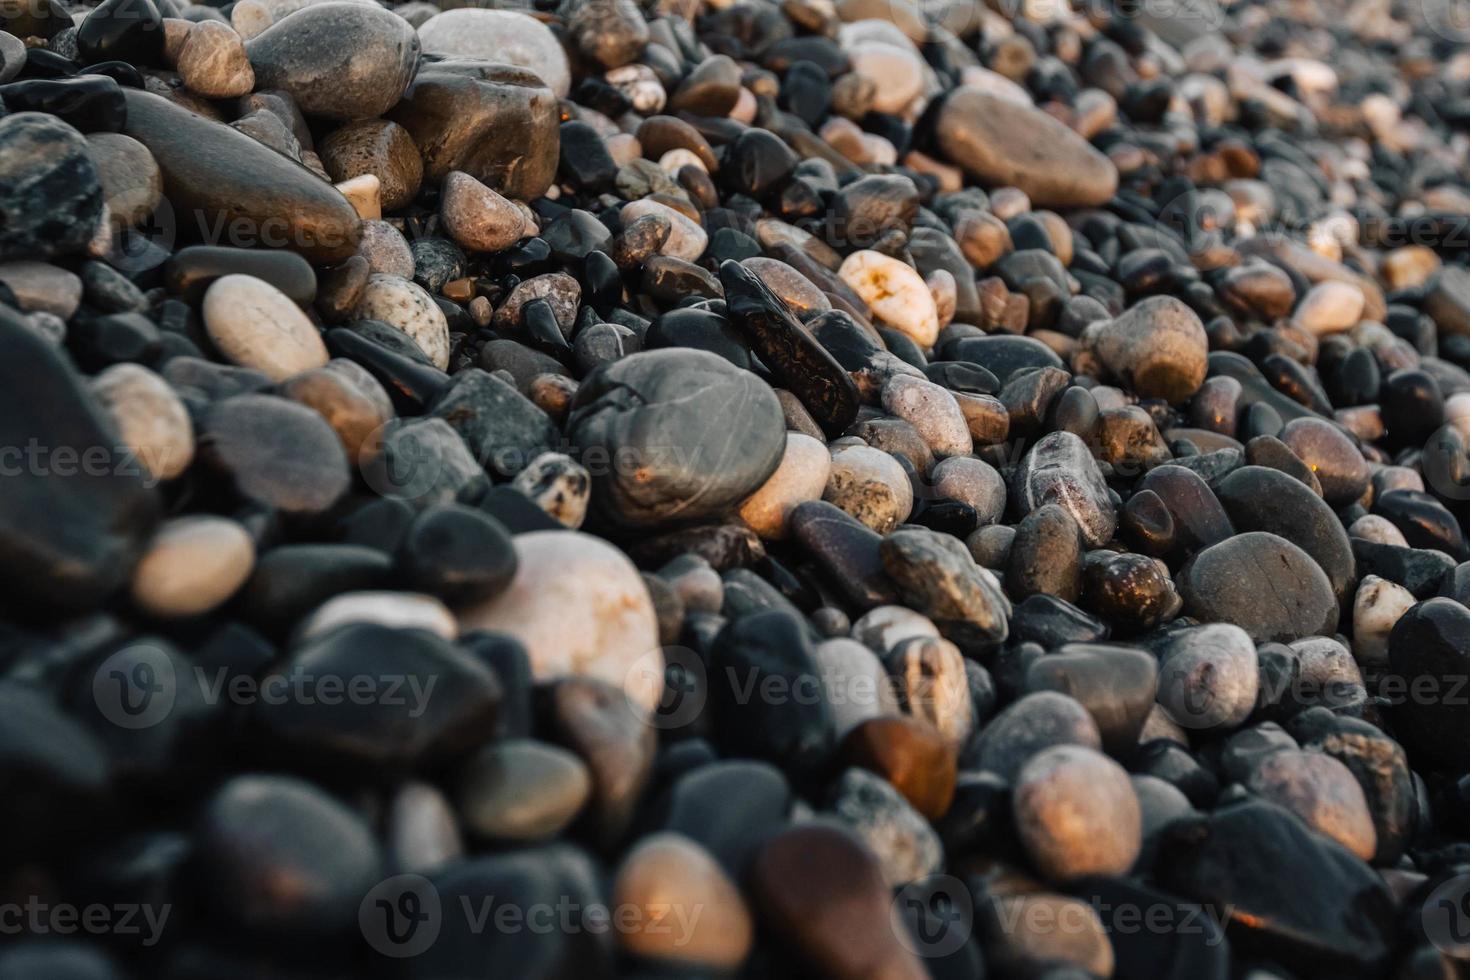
(1263, 583)
(521, 790)
(936, 576)
(191, 270)
(192, 564)
(132, 185)
(338, 60)
(220, 180)
(665, 870)
(1431, 644)
(897, 295)
(1261, 499)
(1320, 790)
(1003, 143)
(692, 435)
(800, 477)
(476, 217)
(506, 36)
(257, 326)
(276, 452)
(213, 62)
(351, 400)
(579, 607)
(1033, 723)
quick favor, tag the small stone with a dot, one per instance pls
(895, 292)
(1337, 463)
(801, 476)
(870, 485)
(1320, 790)
(521, 790)
(213, 62)
(276, 452)
(557, 484)
(1329, 307)
(149, 416)
(43, 287)
(1158, 348)
(669, 871)
(1076, 813)
(377, 147)
(907, 847)
(695, 435)
(1209, 677)
(364, 193)
(932, 411)
(1060, 469)
(911, 755)
(387, 609)
(937, 576)
(52, 195)
(686, 239)
(1032, 724)
(1001, 142)
(974, 482)
(192, 565)
(476, 217)
(1225, 583)
(580, 608)
(131, 183)
(257, 326)
(406, 306)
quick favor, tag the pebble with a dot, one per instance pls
(1333, 459)
(669, 872)
(192, 565)
(870, 485)
(801, 476)
(1076, 813)
(686, 239)
(52, 196)
(1158, 348)
(559, 485)
(580, 609)
(1320, 790)
(1030, 725)
(405, 305)
(908, 849)
(505, 36)
(1000, 142)
(519, 790)
(697, 437)
(895, 292)
(932, 411)
(132, 185)
(276, 453)
(1059, 469)
(213, 62)
(1209, 677)
(1225, 582)
(43, 287)
(937, 577)
(340, 61)
(476, 217)
(257, 326)
(149, 416)
(1329, 307)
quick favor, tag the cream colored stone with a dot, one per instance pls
(255, 325)
(801, 476)
(192, 565)
(894, 292)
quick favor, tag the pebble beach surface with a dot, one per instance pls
(698, 489)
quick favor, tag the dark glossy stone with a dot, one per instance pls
(757, 163)
(1199, 519)
(190, 271)
(797, 359)
(1291, 895)
(1050, 622)
(457, 553)
(125, 30)
(729, 807)
(1115, 684)
(783, 718)
(291, 580)
(90, 103)
(227, 188)
(276, 453)
(503, 429)
(1425, 522)
(584, 161)
(50, 192)
(1422, 571)
(1429, 654)
(410, 383)
(1261, 499)
(936, 576)
(701, 329)
(1046, 556)
(846, 550)
(701, 434)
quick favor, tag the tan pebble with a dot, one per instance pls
(896, 294)
(191, 566)
(213, 62)
(801, 476)
(364, 194)
(668, 878)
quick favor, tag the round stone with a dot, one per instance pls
(1032, 724)
(150, 418)
(974, 482)
(801, 476)
(505, 36)
(1320, 790)
(1060, 469)
(579, 607)
(870, 485)
(338, 60)
(131, 183)
(1208, 677)
(352, 401)
(50, 192)
(1338, 465)
(378, 147)
(277, 453)
(1158, 348)
(192, 565)
(405, 305)
(932, 411)
(1076, 813)
(255, 325)
(688, 436)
